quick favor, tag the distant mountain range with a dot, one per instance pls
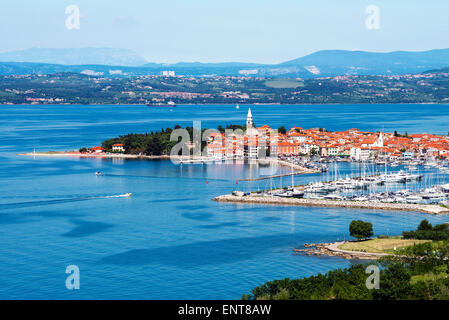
(75, 56)
(124, 63)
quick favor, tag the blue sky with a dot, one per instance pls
(233, 30)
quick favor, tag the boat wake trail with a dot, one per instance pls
(126, 195)
(19, 205)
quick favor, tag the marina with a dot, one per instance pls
(393, 188)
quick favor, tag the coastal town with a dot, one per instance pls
(350, 144)
(371, 189)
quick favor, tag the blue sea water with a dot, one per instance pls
(169, 240)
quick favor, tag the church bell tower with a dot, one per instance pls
(249, 120)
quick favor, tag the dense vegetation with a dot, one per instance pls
(154, 143)
(75, 88)
(426, 231)
(419, 272)
(348, 284)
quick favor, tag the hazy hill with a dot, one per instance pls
(436, 71)
(340, 62)
(75, 56)
(123, 63)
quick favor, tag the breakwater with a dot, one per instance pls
(272, 200)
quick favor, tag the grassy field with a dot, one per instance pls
(284, 84)
(380, 245)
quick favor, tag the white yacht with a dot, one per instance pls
(333, 196)
(414, 199)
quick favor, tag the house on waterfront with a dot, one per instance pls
(118, 147)
(98, 149)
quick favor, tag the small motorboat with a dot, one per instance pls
(128, 194)
(98, 173)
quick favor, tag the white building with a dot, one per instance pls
(333, 151)
(118, 147)
(360, 154)
(168, 73)
(309, 148)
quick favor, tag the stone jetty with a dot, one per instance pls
(272, 200)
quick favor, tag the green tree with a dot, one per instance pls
(360, 229)
(155, 147)
(394, 283)
(282, 130)
(424, 225)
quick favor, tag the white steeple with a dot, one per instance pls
(381, 139)
(249, 120)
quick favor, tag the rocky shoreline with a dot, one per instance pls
(272, 200)
(332, 250)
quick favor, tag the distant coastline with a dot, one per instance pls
(345, 89)
(228, 104)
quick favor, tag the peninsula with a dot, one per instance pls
(306, 151)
